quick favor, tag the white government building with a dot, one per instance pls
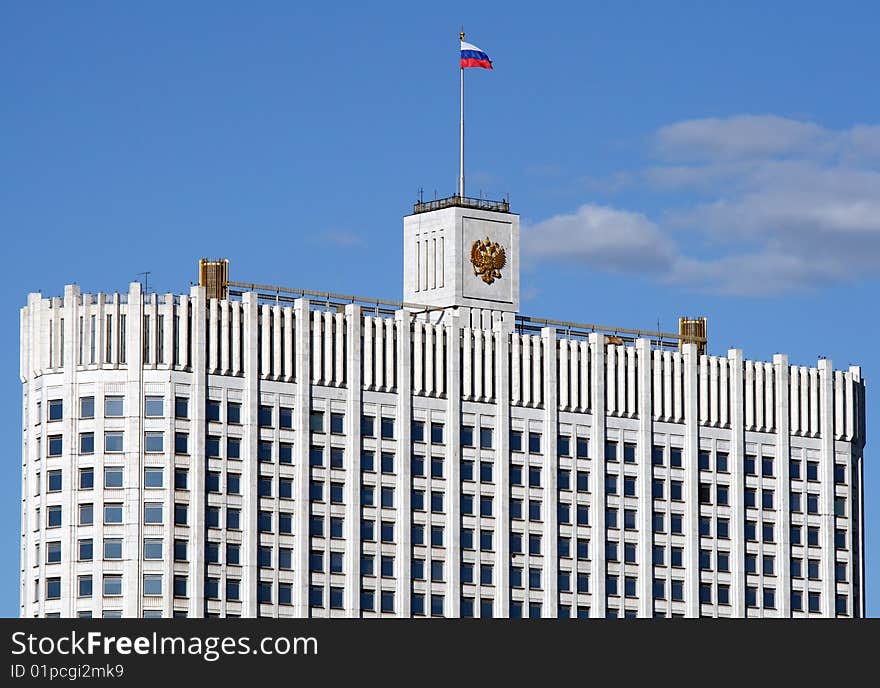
(244, 450)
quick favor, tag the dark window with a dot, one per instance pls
(467, 436)
(285, 418)
(611, 451)
(704, 460)
(563, 445)
(212, 410)
(388, 428)
(534, 443)
(181, 443)
(515, 440)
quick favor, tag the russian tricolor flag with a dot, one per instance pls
(472, 56)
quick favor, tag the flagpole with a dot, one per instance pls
(461, 127)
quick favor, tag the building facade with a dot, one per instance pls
(239, 452)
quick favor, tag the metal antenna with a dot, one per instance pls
(145, 283)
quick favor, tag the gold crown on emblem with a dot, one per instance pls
(488, 258)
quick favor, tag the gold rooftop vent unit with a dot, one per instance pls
(214, 276)
(692, 331)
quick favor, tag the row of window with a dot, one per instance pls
(153, 586)
(154, 408)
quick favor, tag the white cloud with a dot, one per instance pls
(775, 205)
(742, 136)
(603, 238)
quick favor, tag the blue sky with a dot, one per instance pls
(668, 158)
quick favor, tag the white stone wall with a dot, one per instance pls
(437, 260)
(472, 369)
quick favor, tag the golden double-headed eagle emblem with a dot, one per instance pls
(488, 258)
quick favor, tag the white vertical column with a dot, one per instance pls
(329, 361)
(645, 512)
(316, 341)
(769, 397)
(677, 387)
(379, 337)
(550, 465)
(515, 368)
(167, 312)
(794, 401)
(759, 395)
(289, 345)
(713, 391)
(263, 316)
(668, 411)
(214, 334)
(586, 380)
(631, 384)
(815, 401)
(724, 391)
(563, 373)
(277, 349)
(301, 411)
(749, 395)
(134, 432)
(657, 396)
(368, 352)
(805, 401)
(418, 356)
(101, 326)
(737, 505)
(597, 477)
(704, 388)
(478, 365)
(467, 341)
(526, 388)
(339, 341)
(390, 349)
(783, 453)
(503, 338)
(692, 482)
(429, 358)
(403, 483)
(839, 398)
(182, 339)
(453, 463)
(537, 354)
(250, 440)
(224, 337)
(353, 401)
(236, 338)
(198, 395)
(851, 378)
(611, 379)
(488, 367)
(825, 392)
(441, 368)
(69, 403)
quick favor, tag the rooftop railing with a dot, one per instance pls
(456, 201)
